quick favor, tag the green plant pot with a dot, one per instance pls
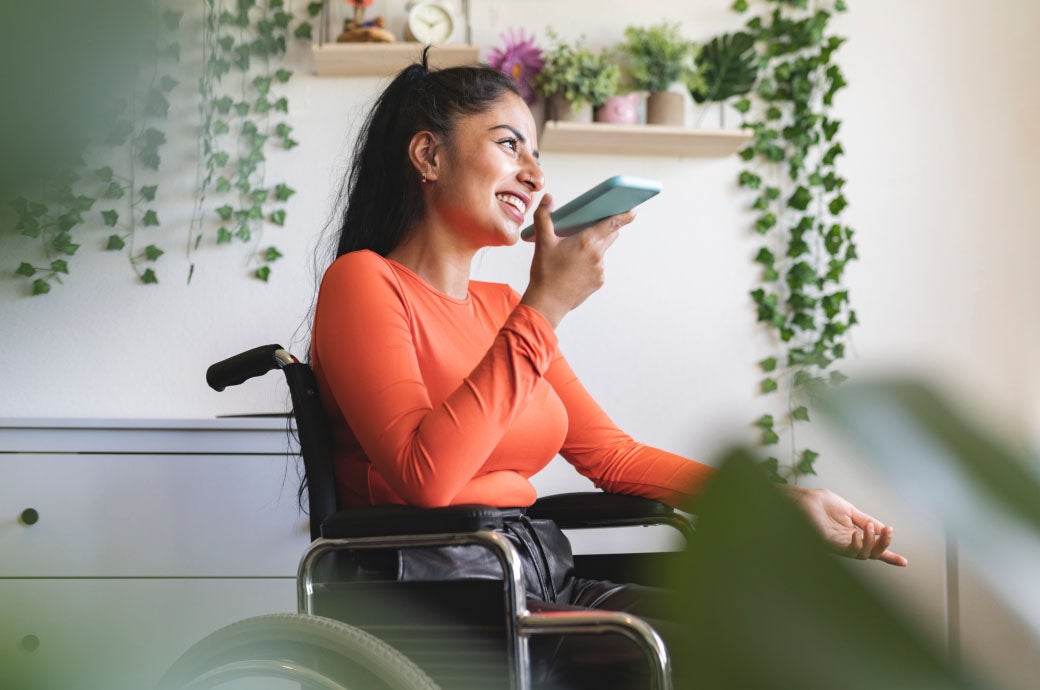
(562, 110)
(666, 108)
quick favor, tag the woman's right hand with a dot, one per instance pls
(566, 270)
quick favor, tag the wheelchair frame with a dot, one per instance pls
(457, 525)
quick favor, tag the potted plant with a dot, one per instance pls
(574, 79)
(727, 66)
(657, 57)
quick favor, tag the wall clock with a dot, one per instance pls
(431, 22)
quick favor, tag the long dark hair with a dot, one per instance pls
(384, 200)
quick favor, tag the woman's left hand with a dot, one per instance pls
(845, 529)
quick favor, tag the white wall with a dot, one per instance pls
(939, 129)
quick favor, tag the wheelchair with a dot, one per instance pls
(354, 630)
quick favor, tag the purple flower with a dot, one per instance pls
(520, 59)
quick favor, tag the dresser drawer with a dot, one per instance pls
(149, 515)
(118, 634)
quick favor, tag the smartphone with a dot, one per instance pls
(609, 198)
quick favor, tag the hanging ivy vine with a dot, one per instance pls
(242, 115)
(799, 200)
(132, 143)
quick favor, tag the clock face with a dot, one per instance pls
(431, 23)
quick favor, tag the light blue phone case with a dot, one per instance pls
(610, 197)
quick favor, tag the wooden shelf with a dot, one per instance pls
(384, 59)
(641, 140)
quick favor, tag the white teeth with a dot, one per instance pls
(514, 201)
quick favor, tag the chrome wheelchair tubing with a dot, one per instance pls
(284, 358)
(498, 544)
(593, 622)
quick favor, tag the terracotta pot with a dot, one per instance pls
(621, 110)
(561, 109)
(666, 108)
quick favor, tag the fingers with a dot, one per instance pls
(543, 225)
(893, 558)
(884, 540)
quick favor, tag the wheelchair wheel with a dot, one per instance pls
(304, 651)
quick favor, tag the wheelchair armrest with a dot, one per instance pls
(394, 520)
(598, 509)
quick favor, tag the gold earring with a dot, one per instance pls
(424, 178)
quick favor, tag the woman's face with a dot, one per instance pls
(488, 175)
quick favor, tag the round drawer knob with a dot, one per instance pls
(30, 643)
(30, 516)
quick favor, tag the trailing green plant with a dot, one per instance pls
(727, 66)
(133, 141)
(791, 167)
(581, 75)
(242, 116)
(658, 56)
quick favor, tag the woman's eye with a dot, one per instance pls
(511, 144)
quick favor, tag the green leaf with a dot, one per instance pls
(59, 266)
(769, 385)
(767, 365)
(114, 191)
(69, 220)
(283, 75)
(104, 174)
(801, 413)
(83, 203)
(282, 192)
(148, 193)
(262, 84)
(282, 105)
(151, 252)
(272, 254)
(220, 158)
(837, 378)
(223, 235)
(223, 104)
(223, 185)
(290, 144)
(225, 212)
(765, 421)
(805, 462)
(727, 67)
(278, 217)
(150, 218)
(115, 242)
(769, 437)
(26, 270)
(263, 273)
(41, 287)
(242, 108)
(800, 199)
(313, 9)
(167, 83)
(148, 277)
(110, 218)
(303, 31)
(765, 223)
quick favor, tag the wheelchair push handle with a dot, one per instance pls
(246, 365)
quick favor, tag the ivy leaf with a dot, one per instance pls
(223, 105)
(104, 174)
(740, 6)
(765, 223)
(769, 437)
(223, 185)
(767, 365)
(220, 158)
(114, 191)
(283, 75)
(29, 227)
(115, 242)
(263, 273)
(151, 252)
(805, 462)
(764, 422)
(771, 466)
(800, 199)
(150, 218)
(223, 235)
(110, 217)
(282, 105)
(156, 104)
(26, 270)
(167, 83)
(837, 378)
(83, 203)
(769, 385)
(60, 266)
(69, 220)
(262, 84)
(290, 143)
(838, 204)
(148, 193)
(172, 19)
(282, 192)
(148, 277)
(801, 413)
(303, 31)
(242, 108)
(225, 212)
(41, 287)
(278, 217)
(272, 254)
(313, 9)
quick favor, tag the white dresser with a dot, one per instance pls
(123, 542)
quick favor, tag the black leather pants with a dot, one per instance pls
(572, 662)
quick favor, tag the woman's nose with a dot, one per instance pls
(532, 177)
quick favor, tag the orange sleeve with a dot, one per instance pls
(363, 342)
(615, 463)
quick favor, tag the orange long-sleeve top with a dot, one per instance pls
(438, 401)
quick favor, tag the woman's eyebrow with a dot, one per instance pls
(520, 137)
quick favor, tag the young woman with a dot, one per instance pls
(444, 390)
